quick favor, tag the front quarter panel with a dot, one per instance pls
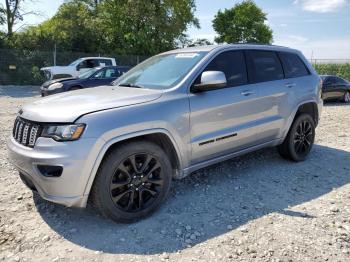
(168, 115)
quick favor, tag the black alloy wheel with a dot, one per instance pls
(299, 140)
(303, 138)
(132, 182)
(137, 182)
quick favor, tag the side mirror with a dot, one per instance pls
(211, 80)
(78, 67)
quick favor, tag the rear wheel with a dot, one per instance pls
(299, 140)
(132, 182)
(346, 98)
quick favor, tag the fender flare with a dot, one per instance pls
(121, 138)
(293, 114)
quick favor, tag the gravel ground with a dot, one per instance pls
(253, 208)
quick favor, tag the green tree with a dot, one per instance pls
(244, 23)
(73, 27)
(145, 27)
(113, 26)
(2, 15)
(14, 13)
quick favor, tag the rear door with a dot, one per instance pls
(102, 77)
(331, 87)
(327, 87)
(223, 120)
(340, 85)
(266, 74)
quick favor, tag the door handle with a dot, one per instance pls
(247, 93)
(290, 85)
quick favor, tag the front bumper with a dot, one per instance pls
(67, 189)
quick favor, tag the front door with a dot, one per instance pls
(223, 120)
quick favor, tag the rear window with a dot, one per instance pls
(263, 66)
(293, 66)
(341, 81)
(105, 62)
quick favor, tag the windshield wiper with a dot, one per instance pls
(132, 85)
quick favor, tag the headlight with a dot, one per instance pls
(64, 132)
(55, 86)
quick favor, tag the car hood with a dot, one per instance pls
(59, 80)
(67, 107)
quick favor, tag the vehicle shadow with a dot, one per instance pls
(335, 103)
(209, 203)
(19, 91)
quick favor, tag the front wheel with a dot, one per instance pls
(132, 182)
(346, 98)
(299, 140)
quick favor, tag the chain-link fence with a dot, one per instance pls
(22, 67)
(330, 61)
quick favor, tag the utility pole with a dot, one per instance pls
(54, 55)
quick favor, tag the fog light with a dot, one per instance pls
(50, 171)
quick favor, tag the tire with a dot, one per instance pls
(346, 97)
(300, 139)
(126, 192)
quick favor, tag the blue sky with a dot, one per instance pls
(319, 28)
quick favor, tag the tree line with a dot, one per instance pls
(125, 27)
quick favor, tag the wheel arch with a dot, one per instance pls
(160, 137)
(308, 107)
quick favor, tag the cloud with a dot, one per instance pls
(321, 6)
(337, 48)
(296, 39)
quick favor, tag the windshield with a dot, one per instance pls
(76, 62)
(89, 73)
(161, 72)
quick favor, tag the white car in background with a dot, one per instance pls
(77, 67)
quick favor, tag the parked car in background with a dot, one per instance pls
(120, 146)
(77, 67)
(335, 88)
(92, 78)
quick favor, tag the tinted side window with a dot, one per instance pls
(111, 72)
(91, 63)
(293, 66)
(327, 81)
(340, 81)
(123, 70)
(263, 66)
(99, 74)
(105, 62)
(232, 64)
(332, 80)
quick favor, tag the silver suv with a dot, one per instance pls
(121, 146)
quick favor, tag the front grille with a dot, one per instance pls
(26, 132)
